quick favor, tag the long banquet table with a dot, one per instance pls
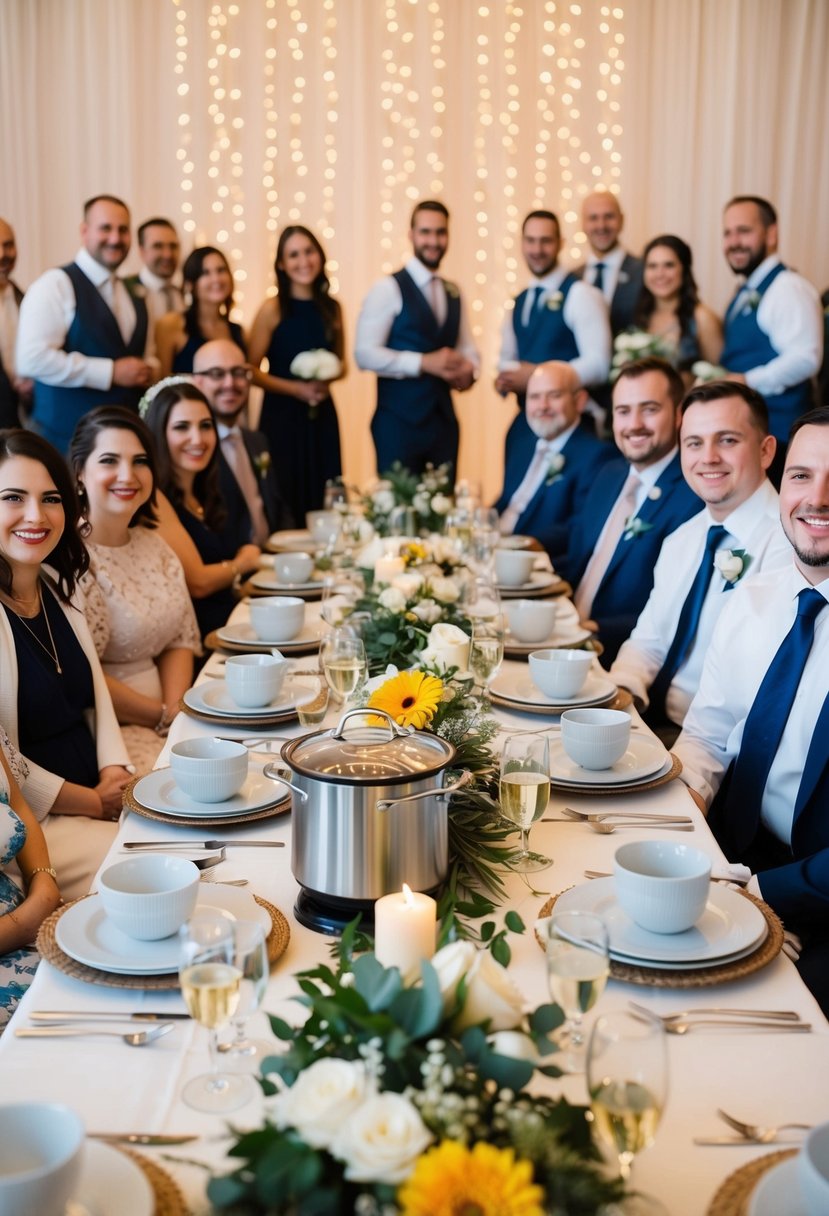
(757, 1076)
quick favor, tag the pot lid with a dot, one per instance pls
(368, 754)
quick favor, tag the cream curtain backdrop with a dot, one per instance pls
(237, 118)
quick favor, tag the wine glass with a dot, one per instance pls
(250, 957)
(341, 591)
(459, 529)
(627, 1079)
(577, 970)
(485, 536)
(210, 984)
(524, 793)
(344, 663)
(486, 649)
(479, 598)
(335, 494)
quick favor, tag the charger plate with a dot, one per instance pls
(733, 1196)
(279, 807)
(671, 769)
(169, 1200)
(46, 943)
(702, 977)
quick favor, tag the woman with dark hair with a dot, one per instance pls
(208, 292)
(298, 415)
(191, 512)
(681, 328)
(53, 694)
(134, 594)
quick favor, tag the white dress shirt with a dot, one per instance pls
(155, 296)
(790, 313)
(585, 314)
(47, 312)
(9, 312)
(748, 635)
(383, 303)
(755, 527)
(612, 262)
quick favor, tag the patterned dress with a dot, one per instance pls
(17, 967)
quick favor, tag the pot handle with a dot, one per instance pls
(277, 774)
(383, 804)
(395, 731)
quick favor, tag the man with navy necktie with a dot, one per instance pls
(554, 317)
(413, 331)
(725, 449)
(616, 273)
(159, 249)
(774, 323)
(754, 745)
(547, 480)
(82, 337)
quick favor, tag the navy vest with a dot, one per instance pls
(94, 332)
(416, 328)
(546, 335)
(747, 346)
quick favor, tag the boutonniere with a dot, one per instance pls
(262, 462)
(634, 526)
(732, 565)
(138, 291)
(750, 301)
(554, 301)
(623, 277)
(554, 469)
(655, 493)
(451, 289)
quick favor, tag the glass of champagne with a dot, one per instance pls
(486, 649)
(250, 957)
(577, 970)
(210, 984)
(524, 793)
(344, 663)
(627, 1079)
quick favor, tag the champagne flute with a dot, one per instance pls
(250, 957)
(210, 985)
(341, 591)
(344, 663)
(524, 793)
(577, 970)
(486, 649)
(459, 529)
(627, 1079)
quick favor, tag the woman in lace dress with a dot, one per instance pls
(135, 598)
(22, 909)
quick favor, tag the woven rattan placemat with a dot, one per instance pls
(732, 1197)
(167, 1197)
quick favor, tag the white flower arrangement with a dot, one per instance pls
(318, 364)
(703, 371)
(154, 389)
(555, 469)
(732, 565)
(636, 344)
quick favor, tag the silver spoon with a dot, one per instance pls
(136, 1038)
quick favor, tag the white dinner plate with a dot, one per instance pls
(158, 792)
(294, 538)
(514, 684)
(110, 1184)
(539, 581)
(578, 787)
(243, 634)
(266, 580)
(644, 757)
(778, 1192)
(213, 697)
(86, 933)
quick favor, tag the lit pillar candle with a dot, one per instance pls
(405, 925)
(388, 568)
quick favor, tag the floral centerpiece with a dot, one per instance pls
(638, 344)
(428, 497)
(408, 1095)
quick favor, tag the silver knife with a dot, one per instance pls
(140, 1138)
(206, 844)
(744, 1141)
(101, 1016)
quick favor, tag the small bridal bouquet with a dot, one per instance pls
(319, 364)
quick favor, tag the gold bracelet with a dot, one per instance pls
(43, 870)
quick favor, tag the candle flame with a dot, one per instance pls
(407, 895)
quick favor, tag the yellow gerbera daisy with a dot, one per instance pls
(410, 697)
(452, 1180)
(413, 553)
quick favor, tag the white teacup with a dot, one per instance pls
(293, 567)
(514, 567)
(324, 526)
(209, 770)
(277, 618)
(663, 887)
(560, 673)
(150, 897)
(254, 680)
(531, 620)
(41, 1152)
(813, 1171)
(595, 738)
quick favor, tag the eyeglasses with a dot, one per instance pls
(219, 373)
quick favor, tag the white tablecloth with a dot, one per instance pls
(762, 1077)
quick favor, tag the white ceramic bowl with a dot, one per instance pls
(150, 897)
(254, 680)
(662, 886)
(813, 1171)
(530, 620)
(41, 1151)
(514, 567)
(560, 673)
(595, 738)
(277, 618)
(209, 770)
(293, 567)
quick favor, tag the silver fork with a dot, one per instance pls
(783, 1015)
(765, 1135)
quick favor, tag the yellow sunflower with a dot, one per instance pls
(452, 1180)
(410, 697)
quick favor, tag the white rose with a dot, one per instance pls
(321, 1100)
(446, 646)
(730, 565)
(445, 589)
(303, 364)
(452, 962)
(327, 365)
(514, 1044)
(490, 996)
(366, 531)
(637, 341)
(409, 583)
(337, 608)
(369, 556)
(443, 550)
(441, 505)
(393, 599)
(427, 611)
(420, 502)
(383, 501)
(381, 1140)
